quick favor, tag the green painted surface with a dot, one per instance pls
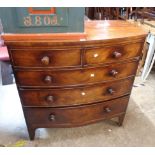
(19, 20)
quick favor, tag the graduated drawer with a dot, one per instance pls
(112, 54)
(76, 96)
(63, 78)
(76, 115)
(46, 58)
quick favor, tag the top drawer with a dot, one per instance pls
(46, 58)
(112, 54)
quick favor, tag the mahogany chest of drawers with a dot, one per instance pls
(73, 80)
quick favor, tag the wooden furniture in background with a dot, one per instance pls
(100, 13)
(144, 13)
(76, 81)
(108, 13)
(120, 13)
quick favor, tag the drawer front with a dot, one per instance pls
(75, 77)
(76, 96)
(74, 116)
(112, 54)
(46, 58)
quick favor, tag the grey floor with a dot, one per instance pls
(138, 128)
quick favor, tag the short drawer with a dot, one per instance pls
(76, 96)
(63, 78)
(46, 58)
(112, 54)
(74, 116)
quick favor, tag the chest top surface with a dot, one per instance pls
(95, 32)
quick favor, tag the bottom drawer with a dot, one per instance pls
(75, 116)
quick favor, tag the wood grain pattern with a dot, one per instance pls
(57, 57)
(74, 77)
(67, 80)
(107, 54)
(112, 29)
(75, 96)
(75, 116)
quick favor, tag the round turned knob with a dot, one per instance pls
(117, 54)
(113, 72)
(49, 99)
(110, 91)
(107, 110)
(48, 79)
(52, 117)
(45, 60)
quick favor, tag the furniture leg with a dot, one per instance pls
(31, 132)
(121, 119)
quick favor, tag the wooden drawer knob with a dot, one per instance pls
(113, 72)
(48, 79)
(49, 99)
(117, 54)
(52, 117)
(110, 91)
(107, 110)
(45, 60)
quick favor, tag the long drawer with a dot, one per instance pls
(75, 96)
(46, 58)
(63, 78)
(112, 54)
(77, 115)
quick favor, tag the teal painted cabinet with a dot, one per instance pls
(42, 20)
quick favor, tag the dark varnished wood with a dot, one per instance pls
(75, 116)
(46, 58)
(61, 78)
(62, 83)
(57, 58)
(75, 96)
(112, 54)
(121, 119)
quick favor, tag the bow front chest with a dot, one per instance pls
(68, 80)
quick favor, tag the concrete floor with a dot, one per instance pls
(138, 128)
